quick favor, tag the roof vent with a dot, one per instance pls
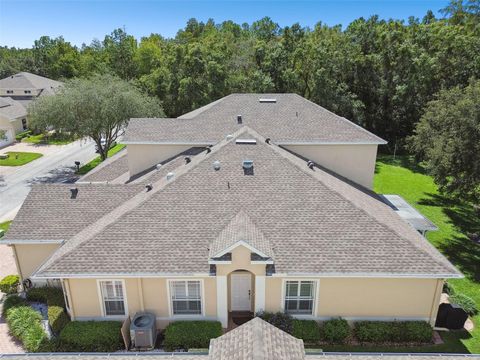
(268, 141)
(170, 175)
(239, 119)
(246, 141)
(148, 187)
(267, 100)
(247, 164)
(208, 150)
(310, 164)
(216, 165)
(73, 193)
(158, 166)
(229, 137)
(187, 159)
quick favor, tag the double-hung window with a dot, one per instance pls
(299, 297)
(186, 297)
(113, 297)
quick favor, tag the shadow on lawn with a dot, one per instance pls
(407, 162)
(461, 250)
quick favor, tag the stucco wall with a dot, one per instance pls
(30, 257)
(355, 162)
(142, 157)
(367, 298)
(241, 261)
(146, 294)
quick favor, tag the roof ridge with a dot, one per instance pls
(113, 216)
(199, 111)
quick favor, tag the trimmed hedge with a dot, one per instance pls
(191, 334)
(24, 324)
(90, 336)
(23, 134)
(307, 330)
(279, 319)
(10, 302)
(467, 303)
(336, 330)
(53, 297)
(396, 331)
(9, 284)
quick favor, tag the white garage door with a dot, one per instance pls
(9, 138)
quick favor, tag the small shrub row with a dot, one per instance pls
(191, 334)
(24, 324)
(396, 331)
(307, 330)
(279, 319)
(9, 284)
(53, 297)
(22, 135)
(89, 336)
(336, 331)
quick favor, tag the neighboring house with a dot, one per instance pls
(242, 226)
(25, 87)
(13, 119)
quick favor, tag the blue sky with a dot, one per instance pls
(22, 21)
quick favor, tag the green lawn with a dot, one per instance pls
(455, 219)
(19, 158)
(48, 140)
(95, 162)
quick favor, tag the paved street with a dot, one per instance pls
(56, 165)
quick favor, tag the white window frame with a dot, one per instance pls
(170, 301)
(316, 284)
(102, 302)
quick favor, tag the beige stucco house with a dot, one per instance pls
(242, 225)
(16, 93)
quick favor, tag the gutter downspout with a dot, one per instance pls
(436, 301)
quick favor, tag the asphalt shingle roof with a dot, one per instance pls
(315, 222)
(11, 109)
(291, 119)
(256, 340)
(25, 80)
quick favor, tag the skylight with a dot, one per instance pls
(268, 100)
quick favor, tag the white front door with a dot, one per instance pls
(241, 291)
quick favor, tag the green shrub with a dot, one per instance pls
(11, 302)
(9, 284)
(307, 330)
(20, 318)
(33, 337)
(279, 319)
(22, 135)
(395, 331)
(191, 334)
(467, 303)
(53, 297)
(91, 336)
(448, 289)
(336, 330)
(57, 318)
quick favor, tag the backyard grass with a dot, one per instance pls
(19, 158)
(48, 140)
(97, 161)
(455, 220)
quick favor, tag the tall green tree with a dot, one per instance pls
(98, 107)
(447, 138)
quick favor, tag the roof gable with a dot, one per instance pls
(241, 231)
(25, 80)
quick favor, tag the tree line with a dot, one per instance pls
(381, 74)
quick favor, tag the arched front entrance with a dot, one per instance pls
(241, 297)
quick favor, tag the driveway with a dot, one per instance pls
(56, 166)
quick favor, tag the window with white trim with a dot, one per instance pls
(299, 297)
(113, 297)
(186, 297)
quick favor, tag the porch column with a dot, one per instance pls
(222, 300)
(259, 293)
